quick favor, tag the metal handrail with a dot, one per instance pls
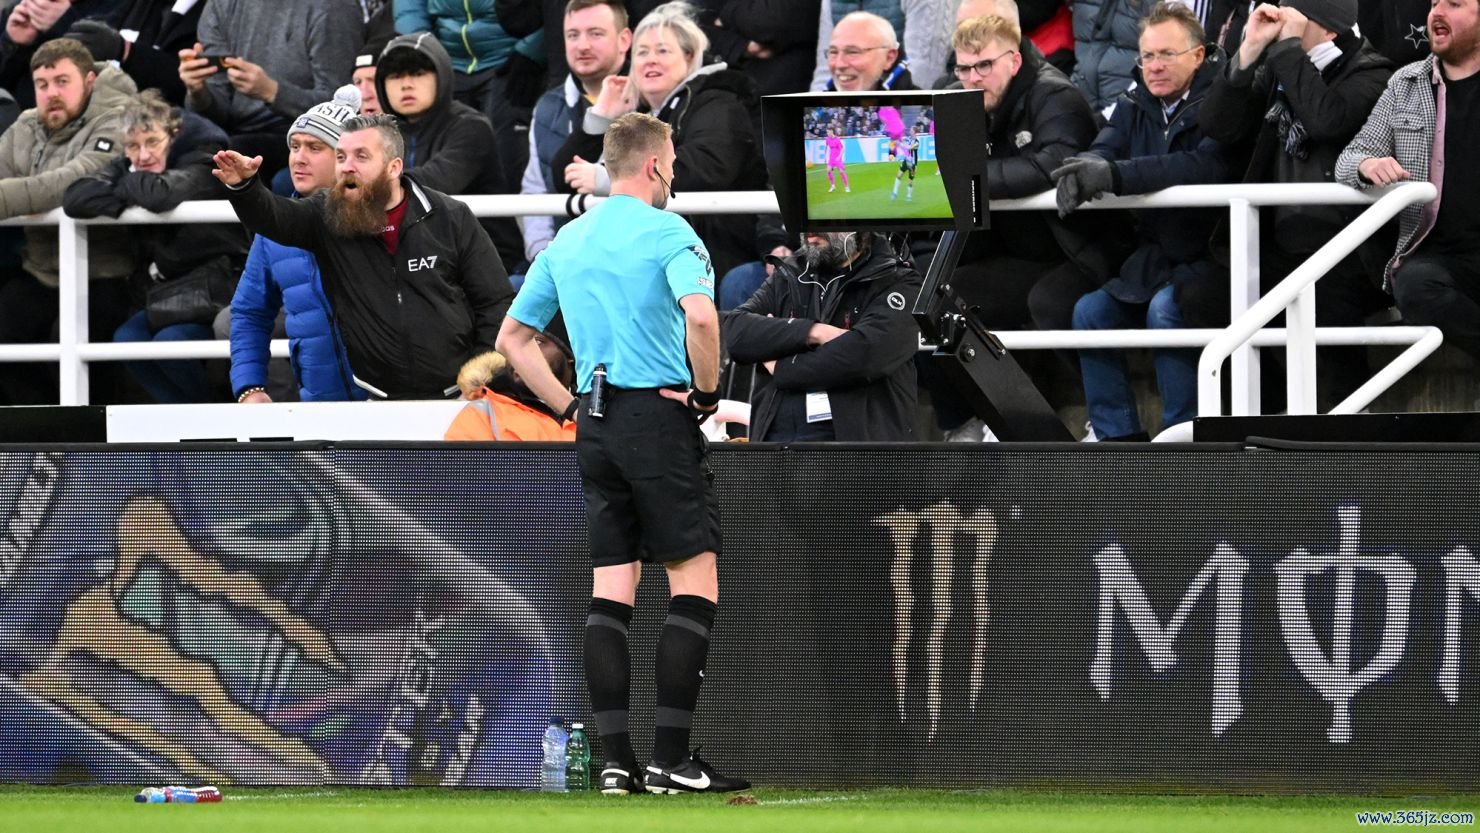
(761, 202)
(73, 352)
(1288, 293)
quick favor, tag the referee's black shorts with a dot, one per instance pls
(647, 481)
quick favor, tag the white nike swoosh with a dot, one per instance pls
(700, 783)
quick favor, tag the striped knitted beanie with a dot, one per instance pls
(324, 121)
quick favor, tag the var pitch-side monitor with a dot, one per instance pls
(881, 161)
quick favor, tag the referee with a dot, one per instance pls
(637, 290)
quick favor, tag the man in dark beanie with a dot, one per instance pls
(364, 78)
(145, 39)
(1336, 16)
(495, 72)
(102, 40)
(1297, 90)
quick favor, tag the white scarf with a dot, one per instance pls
(1324, 54)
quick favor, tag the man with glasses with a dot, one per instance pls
(919, 29)
(1005, 9)
(863, 54)
(1153, 141)
(1030, 267)
(1040, 15)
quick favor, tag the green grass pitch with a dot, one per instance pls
(871, 184)
(276, 810)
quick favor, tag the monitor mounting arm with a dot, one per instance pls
(975, 361)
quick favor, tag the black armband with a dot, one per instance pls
(570, 410)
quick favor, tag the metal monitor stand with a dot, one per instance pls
(974, 360)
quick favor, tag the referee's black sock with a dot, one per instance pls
(682, 649)
(607, 677)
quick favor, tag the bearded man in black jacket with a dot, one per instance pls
(415, 285)
(832, 333)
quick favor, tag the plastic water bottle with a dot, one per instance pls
(577, 760)
(552, 771)
(178, 795)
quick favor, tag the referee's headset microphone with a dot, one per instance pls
(668, 191)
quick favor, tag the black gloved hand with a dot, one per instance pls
(524, 80)
(1081, 179)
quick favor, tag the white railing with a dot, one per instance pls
(1248, 312)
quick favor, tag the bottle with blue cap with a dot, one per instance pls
(178, 795)
(552, 769)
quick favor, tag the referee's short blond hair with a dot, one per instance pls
(630, 140)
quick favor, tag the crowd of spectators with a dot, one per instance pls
(109, 104)
(820, 122)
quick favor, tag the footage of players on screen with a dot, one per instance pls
(873, 162)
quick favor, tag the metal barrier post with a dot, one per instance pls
(1300, 353)
(72, 295)
(1243, 279)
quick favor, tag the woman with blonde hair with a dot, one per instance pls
(710, 108)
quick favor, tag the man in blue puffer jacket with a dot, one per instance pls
(281, 277)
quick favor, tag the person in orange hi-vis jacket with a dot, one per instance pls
(501, 407)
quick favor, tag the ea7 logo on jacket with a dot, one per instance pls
(416, 264)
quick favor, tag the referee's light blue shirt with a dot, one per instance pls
(618, 272)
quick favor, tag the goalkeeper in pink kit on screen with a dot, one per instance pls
(835, 162)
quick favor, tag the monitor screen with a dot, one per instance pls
(878, 161)
(873, 162)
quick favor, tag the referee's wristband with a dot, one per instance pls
(701, 401)
(570, 410)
